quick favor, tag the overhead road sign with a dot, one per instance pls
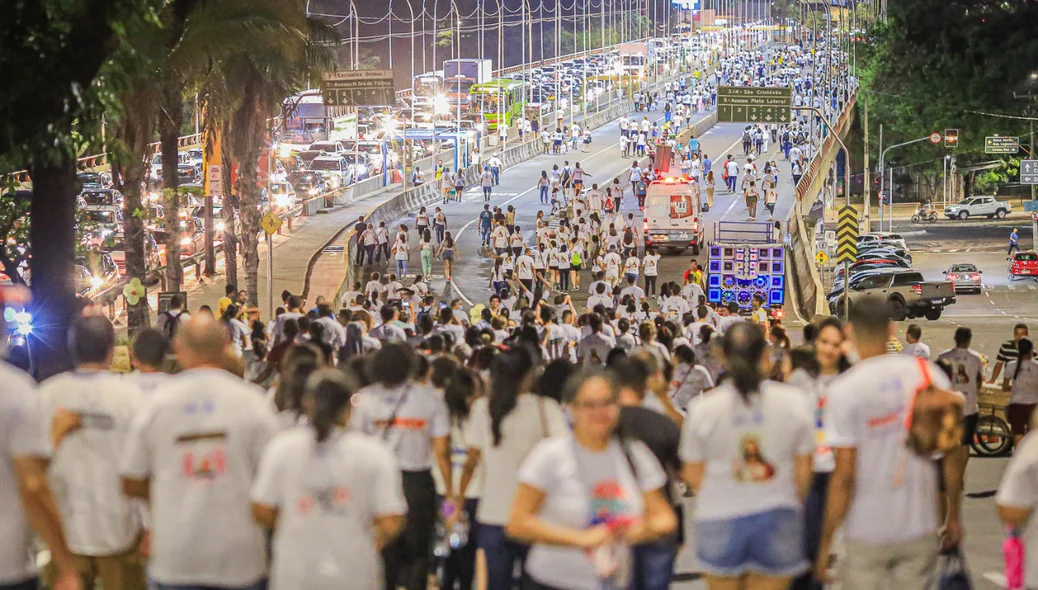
(1001, 145)
(847, 235)
(355, 88)
(741, 104)
(1028, 171)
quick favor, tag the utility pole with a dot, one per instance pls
(866, 187)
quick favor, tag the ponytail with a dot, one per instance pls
(330, 391)
(743, 346)
(1024, 351)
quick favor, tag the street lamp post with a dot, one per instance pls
(882, 166)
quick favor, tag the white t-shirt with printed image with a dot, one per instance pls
(1025, 384)
(895, 495)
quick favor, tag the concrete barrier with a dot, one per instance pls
(802, 271)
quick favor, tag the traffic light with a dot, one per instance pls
(951, 138)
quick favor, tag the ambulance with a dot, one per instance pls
(674, 215)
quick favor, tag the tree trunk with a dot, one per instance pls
(171, 115)
(52, 236)
(134, 133)
(250, 221)
(231, 208)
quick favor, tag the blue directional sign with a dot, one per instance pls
(1028, 171)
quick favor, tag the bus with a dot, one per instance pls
(499, 99)
(306, 120)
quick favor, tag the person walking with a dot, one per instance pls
(1014, 242)
(446, 185)
(883, 495)
(324, 538)
(439, 224)
(486, 221)
(710, 188)
(502, 429)
(1021, 381)
(747, 450)
(459, 186)
(412, 420)
(593, 471)
(543, 184)
(731, 168)
(486, 181)
(448, 252)
(495, 168)
(401, 253)
(752, 195)
(425, 253)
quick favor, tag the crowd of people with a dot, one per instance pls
(469, 448)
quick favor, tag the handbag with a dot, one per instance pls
(952, 571)
(934, 422)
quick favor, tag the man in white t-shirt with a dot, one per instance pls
(25, 494)
(612, 266)
(915, 346)
(90, 411)
(883, 495)
(632, 289)
(193, 451)
(524, 269)
(601, 297)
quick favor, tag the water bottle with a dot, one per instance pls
(459, 533)
(1013, 556)
(441, 544)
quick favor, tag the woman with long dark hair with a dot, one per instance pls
(449, 252)
(501, 430)
(690, 379)
(1021, 380)
(461, 387)
(596, 471)
(829, 363)
(301, 360)
(747, 451)
(332, 496)
(413, 420)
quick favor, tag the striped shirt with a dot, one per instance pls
(1007, 352)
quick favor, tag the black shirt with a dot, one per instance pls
(659, 433)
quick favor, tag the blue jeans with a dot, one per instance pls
(486, 192)
(261, 585)
(666, 116)
(502, 554)
(401, 268)
(484, 235)
(439, 229)
(496, 173)
(654, 565)
(544, 194)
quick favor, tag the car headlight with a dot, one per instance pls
(185, 241)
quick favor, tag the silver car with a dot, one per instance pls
(965, 277)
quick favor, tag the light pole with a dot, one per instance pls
(882, 180)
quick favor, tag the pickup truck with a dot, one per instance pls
(909, 295)
(977, 206)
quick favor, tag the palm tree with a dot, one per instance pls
(260, 80)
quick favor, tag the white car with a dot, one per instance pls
(882, 238)
(334, 170)
(976, 206)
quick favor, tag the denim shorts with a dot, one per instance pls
(768, 543)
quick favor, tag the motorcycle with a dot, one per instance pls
(921, 216)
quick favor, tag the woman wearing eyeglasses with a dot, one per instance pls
(586, 498)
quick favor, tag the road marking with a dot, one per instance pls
(996, 578)
(457, 237)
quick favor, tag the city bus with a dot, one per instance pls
(499, 99)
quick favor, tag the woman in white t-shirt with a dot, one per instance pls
(651, 262)
(237, 331)
(1023, 374)
(585, 499)
(332, 497)
(501, 430)
(689, 380)
(814, 382)
(463, 386)
(747, 450)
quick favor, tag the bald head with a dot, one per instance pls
(200, 342)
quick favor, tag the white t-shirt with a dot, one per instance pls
(733, 167)
(1025, 385)
(895, 491)
(722, 431)
(420, 416)
(582, 489)
(651, 264)
(84, 470)
(917, 349)
(612, 264)
(966, 366)
(1019, 489)
(327, 495)
(199, 440)
(634, 291)
(524, 267)
(521, 429)
(21, 436)
(816, 394)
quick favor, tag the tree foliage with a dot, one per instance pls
(948, 64)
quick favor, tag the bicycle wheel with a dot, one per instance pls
(993, 437)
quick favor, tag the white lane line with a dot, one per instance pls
(457, 237)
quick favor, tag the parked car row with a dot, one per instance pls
(884, 269)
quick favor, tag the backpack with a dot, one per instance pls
(575, 259)
(934, 423)
(746, 136)
(172, 322)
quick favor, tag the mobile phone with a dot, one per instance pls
(405, 304)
